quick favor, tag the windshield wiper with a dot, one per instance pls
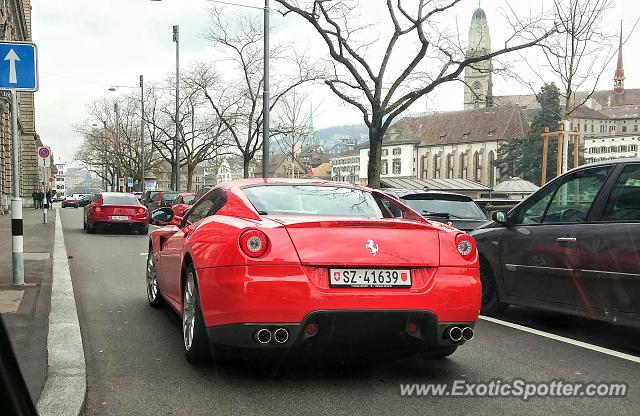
(263, 213)
(440, 214)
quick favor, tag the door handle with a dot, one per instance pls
(566, 240)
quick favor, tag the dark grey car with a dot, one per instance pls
(449, 208)
(573, 246)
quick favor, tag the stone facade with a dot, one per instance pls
(15, 25)
(477, 77)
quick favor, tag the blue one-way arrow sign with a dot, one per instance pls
(18, 66)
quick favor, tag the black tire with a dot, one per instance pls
(440, 352)
(198, 350)
(491, 304)
(153, 290)
(91, 229)
(84, 225)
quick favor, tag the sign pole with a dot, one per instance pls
(17, 239)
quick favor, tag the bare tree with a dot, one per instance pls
(383, 87)
(111, 145)
(202, 133)
(292, 122)
(238, 102)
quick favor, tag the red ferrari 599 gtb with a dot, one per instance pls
(279, 263)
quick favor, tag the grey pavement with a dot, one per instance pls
(26, 310)
(136, 366)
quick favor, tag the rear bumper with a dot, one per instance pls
(237, 301)
(351, 330)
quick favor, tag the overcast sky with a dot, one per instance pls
(85, 46)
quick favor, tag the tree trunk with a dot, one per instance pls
(375, 155)
(245, 166)
(190, 170)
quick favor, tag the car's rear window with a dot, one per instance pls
(119, 200)
(454, 207)
(313, 200)
(168, 198)
(188, 199)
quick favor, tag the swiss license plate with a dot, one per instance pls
(370, 278)
(119, 218)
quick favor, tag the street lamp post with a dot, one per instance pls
(142, 125)
(176, 142)
(117, 137)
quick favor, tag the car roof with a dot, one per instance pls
(405, 192)
(116, 193)
(276, 181)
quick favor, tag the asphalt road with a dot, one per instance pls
(136, 365)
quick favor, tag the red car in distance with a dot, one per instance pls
(109, 209)
(274, 264)
(182, 202)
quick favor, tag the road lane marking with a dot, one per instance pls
(66, 383)
(566, 340)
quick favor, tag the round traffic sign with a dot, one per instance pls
(43, 152)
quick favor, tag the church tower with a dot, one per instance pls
(477, 77)
(618, 77)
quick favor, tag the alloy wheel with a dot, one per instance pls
(188, 311)
(152, 281)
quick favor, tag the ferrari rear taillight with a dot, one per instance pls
(141, 211)
(254, 243)
(466, 246)
(98, 209)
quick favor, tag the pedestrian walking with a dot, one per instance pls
(34, 196)
(49, 198)
(40, 199)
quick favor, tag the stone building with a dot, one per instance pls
(15, 25)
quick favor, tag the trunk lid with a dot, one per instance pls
(357, 242)
(119, 210)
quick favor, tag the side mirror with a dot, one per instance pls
(500, 217)
(162, 216)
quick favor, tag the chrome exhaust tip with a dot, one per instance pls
(281, 335)
(263, 336)
(455, 334)
(467, 333)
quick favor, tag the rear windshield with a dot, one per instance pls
(168, 198)
(313, 200)
(119, 200)
(452, 208)
(188, 199)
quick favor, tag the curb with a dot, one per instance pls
(66, 385)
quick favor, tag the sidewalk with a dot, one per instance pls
(26, 310)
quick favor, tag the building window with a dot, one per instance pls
(385, 152)
(603, 149)
(397, 151)
(603, 128)
(613, 149)
(635, 127)
(585, 127)
(633, 148)
(592, 128)
(623, 148)
(385, 167)
(463, 166)
(612, 129)
(436, 167)
(449, 166)
(397, 166)
(477, 168)
(624, 129)
(491, 167)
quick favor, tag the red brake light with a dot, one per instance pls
(141, 210)
(466, 246)
(254, 243)
(98, 209)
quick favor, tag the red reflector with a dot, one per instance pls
(412, 328)
(311, 329)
